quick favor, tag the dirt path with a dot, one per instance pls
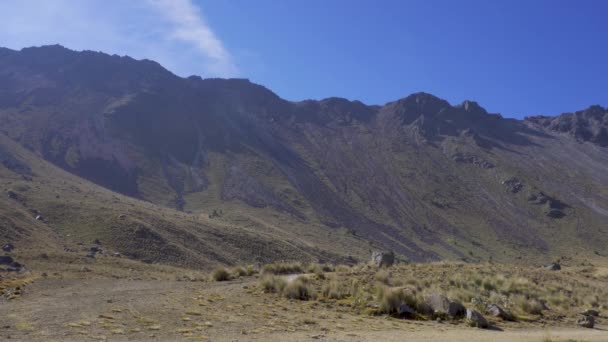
(128, 310)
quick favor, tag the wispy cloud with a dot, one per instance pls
(189, 26)
(172, 32)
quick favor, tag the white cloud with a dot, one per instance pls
(190, 27)
(171, 32)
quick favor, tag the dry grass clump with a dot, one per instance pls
(239, 272)
(333, 290)
(283, 268)
(528, 305)
(299, 288)
(273, 284)
(220, 274)
(391, 298)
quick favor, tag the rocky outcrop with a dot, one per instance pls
(589, 125)
(383, 259)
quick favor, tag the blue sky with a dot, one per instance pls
(513, 57)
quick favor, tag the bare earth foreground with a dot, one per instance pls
(72, 309)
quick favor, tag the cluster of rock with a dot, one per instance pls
(7, 263)
(588, 318)
(439, 306)
(472, 159)
(513, 184)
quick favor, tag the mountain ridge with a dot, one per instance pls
(418, 175)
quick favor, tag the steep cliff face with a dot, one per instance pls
(418, 175)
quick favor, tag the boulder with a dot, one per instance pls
(8, 247)
(406, 310)
(442, 306)
(6, 260)
(586, 322)
(39, 218)
(95, 249)
(383, 259)
(496, 311)
(476, 319)
(12, 194)
(591, 312)
(554, 266)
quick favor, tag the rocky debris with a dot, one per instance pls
(476, 319)
(554, 207)
(586, 322)
(554, 266)
(496, 311)
(591, 312)
(8, 247)
(513, 184)
(442, 306)
(383, 259)
(472, 159)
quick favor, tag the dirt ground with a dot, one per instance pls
(162, 310)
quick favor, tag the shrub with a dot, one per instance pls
(273, 284)
(282, 268)
(220, 274)
(391, 299)
(298, 289)
(343, 269)
(531, 306)
(383, 277)
(333, 290)
(251, 270)
(240, 272)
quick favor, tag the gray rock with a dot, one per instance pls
(586, 322)
(8, 247)
(442, 306)
(476, 319)
(591, 312)
(554, 266)
(497, 311)
(39, 218)
(6, 260)
(406, 310)
(383, 259)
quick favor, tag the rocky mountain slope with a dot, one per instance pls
(419, 176)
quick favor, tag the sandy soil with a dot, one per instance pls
(153, 310)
